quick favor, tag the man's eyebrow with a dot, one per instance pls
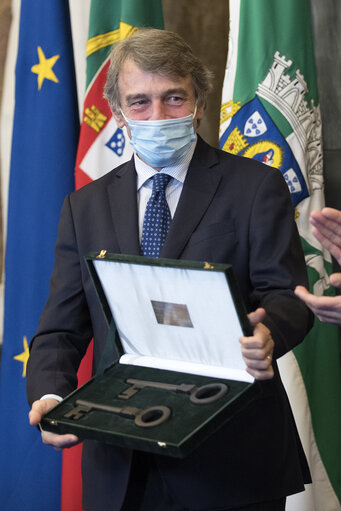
(176, 90)
(135, 97)
(138, 96)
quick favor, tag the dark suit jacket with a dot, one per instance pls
(231, 210)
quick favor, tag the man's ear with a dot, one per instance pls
(200, 112)
(121, 122)
(198, 116)
(119, 119)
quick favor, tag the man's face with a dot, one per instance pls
(149, 96)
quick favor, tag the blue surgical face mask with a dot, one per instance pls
(163, 142)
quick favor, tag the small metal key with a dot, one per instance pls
(145, 418)
(199, 395)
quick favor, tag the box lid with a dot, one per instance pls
(171, 314)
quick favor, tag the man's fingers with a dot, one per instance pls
(335, 279)
(327, 230)
(317, 303)
(59, 441)
(257, 351)
(257, 316)
(261, 374)
(39, 408)
(259, 364)
(332, 214)
(329, 242)
(302, 292)
(328, 218)
(326, 308)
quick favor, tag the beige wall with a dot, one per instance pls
(204, 25)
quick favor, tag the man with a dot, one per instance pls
(223, 209)
(327, 229)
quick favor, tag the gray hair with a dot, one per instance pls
(157, 51)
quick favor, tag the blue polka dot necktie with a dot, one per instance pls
(157, 218)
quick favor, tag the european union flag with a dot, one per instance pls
(45, 136)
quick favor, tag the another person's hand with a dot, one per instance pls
(326, 308)
(257, 350)
(40, 408)
(327, 230)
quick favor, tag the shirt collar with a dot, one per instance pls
(177, 171)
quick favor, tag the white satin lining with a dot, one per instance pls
(210, 348)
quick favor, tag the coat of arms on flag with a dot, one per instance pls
(249, 130)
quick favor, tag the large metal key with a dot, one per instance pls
(200, 395)
(145, 418)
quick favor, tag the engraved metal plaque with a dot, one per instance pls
(175, 314)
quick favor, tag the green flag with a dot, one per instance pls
(270, 112)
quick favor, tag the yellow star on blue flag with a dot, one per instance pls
(23, 357)
(44, 68)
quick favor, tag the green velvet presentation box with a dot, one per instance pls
(181, 375)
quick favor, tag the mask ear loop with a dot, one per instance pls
(124, 117)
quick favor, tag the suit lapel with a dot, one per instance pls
(123, 204)
(198, 191)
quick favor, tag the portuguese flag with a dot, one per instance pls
(270, 112)
(102, 147)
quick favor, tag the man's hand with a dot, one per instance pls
(39, 408)
(327, 229)
(326, 308)
(257, 350)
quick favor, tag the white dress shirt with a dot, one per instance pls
(144, 172)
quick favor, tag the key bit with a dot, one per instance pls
(77, 412)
